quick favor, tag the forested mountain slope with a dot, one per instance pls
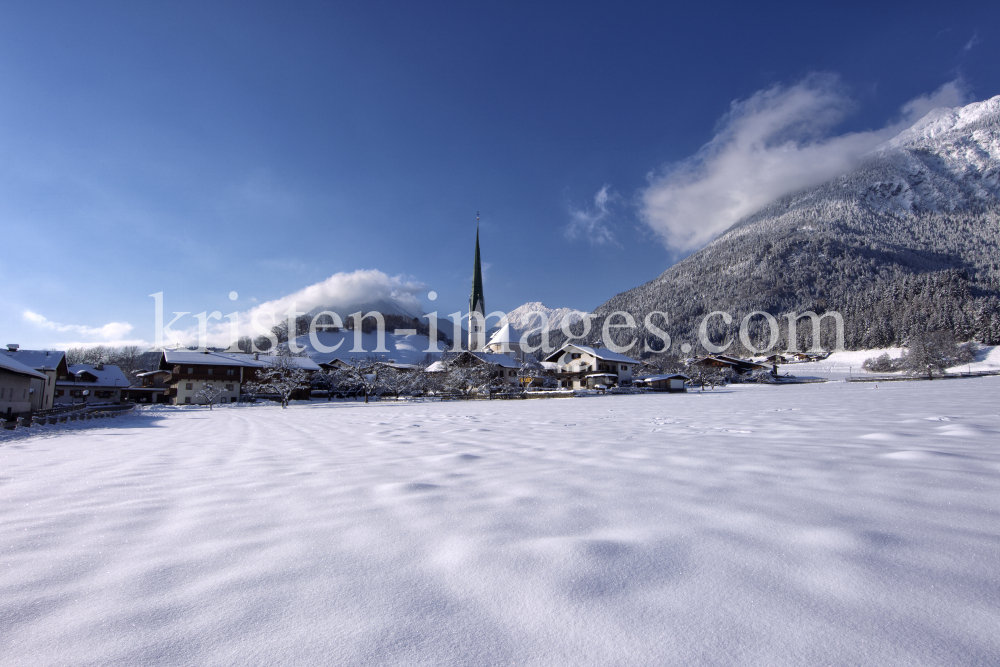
(908, 241)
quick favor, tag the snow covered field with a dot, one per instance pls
(831, 524)
(841, 365)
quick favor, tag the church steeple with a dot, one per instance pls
(477, 302)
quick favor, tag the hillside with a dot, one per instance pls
(908, 241)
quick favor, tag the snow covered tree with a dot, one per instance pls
(281, 376)
(529, 372)
(932, 352)
(881, 364)
(209, 393)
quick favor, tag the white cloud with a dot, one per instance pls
(972, 42)
(113, 333)
(592, 224)
(345, 290)
(772, 144)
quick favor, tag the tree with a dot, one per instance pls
(209, 392)
(881, 364)
(529, 371)
(932, 352)
(281, 376)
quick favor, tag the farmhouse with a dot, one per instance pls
(190, 371)
(583, 366)
(723, 362)
(91, 383)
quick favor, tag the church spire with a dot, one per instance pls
(477, 302)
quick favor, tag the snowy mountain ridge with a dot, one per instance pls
(907, 241)
(522, 318)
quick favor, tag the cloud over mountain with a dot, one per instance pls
(776, 142)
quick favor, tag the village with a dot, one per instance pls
(43, 387)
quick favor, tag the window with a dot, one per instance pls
(59, 392)
(229, 387)
(624, 368)
(189, 386)
(208, 371)
(2, 390)
(230, 371)
(187, 399)
(576, 355)
(190, 371)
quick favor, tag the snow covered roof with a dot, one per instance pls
(506, 334)
(37, 359)
(14, 366)
(501, 360)
(107, 375)
(305, 363)
(550, 365)
(148, 373)
(656, 378)
(209, 358)
(602, 353)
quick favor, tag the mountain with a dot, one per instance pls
(906, 242)
(522, 318)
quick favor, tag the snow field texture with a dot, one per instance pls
(753, 525)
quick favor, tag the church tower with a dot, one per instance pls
(477, 304)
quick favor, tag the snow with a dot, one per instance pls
(523, 318)
(106, 376)
(37, 359)
(841, 365)
(817, 524)
(14, 366)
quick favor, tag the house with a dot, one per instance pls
(504, 366)
(673, 382)
(722, 362)
(91, 383)
(50, 363)
(148, 387)
(18, 383)
(584, 366)
(190, 371)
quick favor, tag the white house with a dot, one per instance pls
(583, 366)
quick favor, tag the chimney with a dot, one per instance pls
(99, 366)
(12, 347)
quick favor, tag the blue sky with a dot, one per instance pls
(204, 148)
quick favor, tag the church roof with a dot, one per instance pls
(506, 334)
(477, 301)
